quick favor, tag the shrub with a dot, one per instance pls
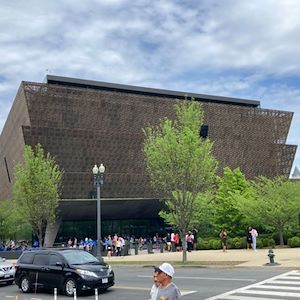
(236, 243)
(215, 244)
(203, 245)
(268, 242)
(294, 242)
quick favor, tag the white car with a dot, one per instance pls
(7, 272)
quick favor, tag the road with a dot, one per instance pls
(195, 284)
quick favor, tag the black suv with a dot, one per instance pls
(64, 269)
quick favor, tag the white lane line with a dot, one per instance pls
(241, 290)
(206, 278)
(286, 282)
(187, 293)
(183, 292)
(276, 287)
(291, 277)
(232, 297)
(14, 297)
(270, 293)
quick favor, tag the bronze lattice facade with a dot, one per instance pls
(82, 123)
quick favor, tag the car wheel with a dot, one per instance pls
(9, 282)
(69, 287)
(25, 285)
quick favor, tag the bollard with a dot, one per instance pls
(96, 294)
(271, 256)
(173, 248)
(149, 248)
(75, 294)
(162, 248)
(136, 249)
(55, 293)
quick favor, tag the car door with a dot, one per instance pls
(56, 270)
(41, 269)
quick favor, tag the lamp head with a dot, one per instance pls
(101, 169)
(95, 170)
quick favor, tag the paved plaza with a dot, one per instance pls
(284, 257)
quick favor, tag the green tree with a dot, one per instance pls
(230, 188)
(274, 202)
(180, 164)
(36, 189)
(10, 220)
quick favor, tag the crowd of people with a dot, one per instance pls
(12, 245)
(114, 244)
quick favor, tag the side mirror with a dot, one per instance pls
(59, 263)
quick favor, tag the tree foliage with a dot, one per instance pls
(180, 164)
(10, 220)
(36, 189)
(230, 188)
(275, 203)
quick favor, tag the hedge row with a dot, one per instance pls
(235, 243)
(294, 242)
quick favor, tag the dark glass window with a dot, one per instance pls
(26, 258)
(41, 259)
(54, 259)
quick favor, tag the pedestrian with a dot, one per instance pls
(249, 238)
(154, 288)
(195, 233)
(254, 234)
(223, 236)
(167, 290)
(168, 241)
(190, 241)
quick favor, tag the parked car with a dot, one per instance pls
(7, 272)
(64, 269)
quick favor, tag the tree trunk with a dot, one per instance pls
(281, 241)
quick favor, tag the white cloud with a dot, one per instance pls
(233, 48)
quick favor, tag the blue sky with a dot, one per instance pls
(238, 48)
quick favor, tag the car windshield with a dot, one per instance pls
(79, 257)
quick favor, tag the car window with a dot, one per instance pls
(54, 258)
(26, 258)
(41, 259)
(75, 257)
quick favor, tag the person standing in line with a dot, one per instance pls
(249, 238)
(154, 288)
(168, 241)
(223, 236)
(167, 289)
(195, 233)
(254, 234)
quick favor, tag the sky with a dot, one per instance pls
(237, 48)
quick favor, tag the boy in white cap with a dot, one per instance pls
(167, 290)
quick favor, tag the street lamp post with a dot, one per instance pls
(98, 181)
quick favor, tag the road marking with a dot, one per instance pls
(119, 287)
(207, 278)
(270, 293)
(275, 287)
(286, 282)
(231, 297)
(258, 290)
(14, 297)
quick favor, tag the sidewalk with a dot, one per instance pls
(284, 257)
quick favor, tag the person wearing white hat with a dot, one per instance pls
(167, 289)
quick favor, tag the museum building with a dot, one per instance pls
(83, 123)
